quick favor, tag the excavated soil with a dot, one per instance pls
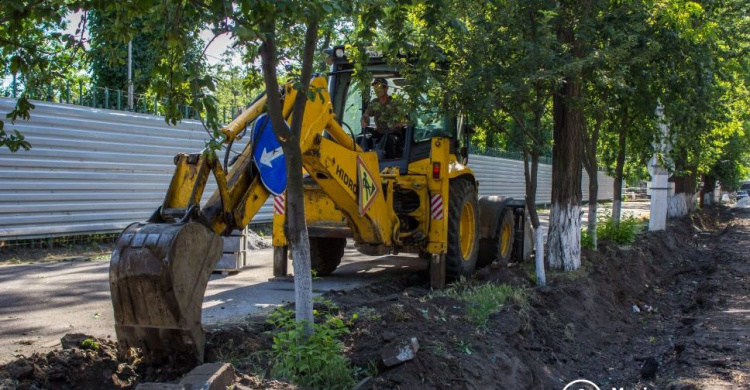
(669, 312)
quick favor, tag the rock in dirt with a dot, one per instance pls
(397, 353)
(73, 340)
(19, 370)
(159, 386)
(389, 336)
(255, 241)
(361, 384)
(649, 368)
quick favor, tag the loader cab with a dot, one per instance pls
(424, 120)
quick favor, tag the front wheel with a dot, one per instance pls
(463, 229)
(326, 254)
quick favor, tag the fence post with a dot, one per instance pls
(67, 91)
(15, 87)
(187, 110)
(143, 105)
(106, 98)
(49, 93)
(93, 97)
(80, 93)
(119, 100)
(156, 102)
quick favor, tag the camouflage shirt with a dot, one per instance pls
(387, 115)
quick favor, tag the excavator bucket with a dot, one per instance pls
(158, 275)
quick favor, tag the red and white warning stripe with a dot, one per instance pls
(279, 204)
(436, 206)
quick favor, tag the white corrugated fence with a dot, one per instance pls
(95, 170)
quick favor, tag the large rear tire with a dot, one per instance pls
(463, 229)
(326, 254)
(500, 247)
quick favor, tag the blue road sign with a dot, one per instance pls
(268, 156)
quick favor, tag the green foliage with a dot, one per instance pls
(486, 299)
(587, 241)
(90, 344)
(311, 355)
(623, 234)
(33, 48)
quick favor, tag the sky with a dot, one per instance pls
(213, 54)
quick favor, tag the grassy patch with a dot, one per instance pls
(486, 299)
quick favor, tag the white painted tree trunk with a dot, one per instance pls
(680, 205)
(592, 222)
(564, 238)
(541, 279)
(303, 303)
(616, 210)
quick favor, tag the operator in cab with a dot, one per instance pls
(389, 120)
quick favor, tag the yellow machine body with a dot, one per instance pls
(159, 269)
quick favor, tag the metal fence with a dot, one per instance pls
(95, 170)
(505, 176)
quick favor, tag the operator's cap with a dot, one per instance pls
(380, 80)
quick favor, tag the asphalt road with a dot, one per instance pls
(39, 303)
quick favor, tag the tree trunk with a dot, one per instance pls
(530, 177)
(590, 164)
(683, 200)
(619, 166)
(564, 239)
(709, 189)
(681, 203)
(290, 143)
(593, 202)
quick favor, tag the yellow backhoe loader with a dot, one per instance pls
(411, 193)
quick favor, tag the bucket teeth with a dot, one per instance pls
(158, 276)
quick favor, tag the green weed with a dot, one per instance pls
(312, 359)
(622, 234)
(90, 344)
(485, 299)
(625, 233)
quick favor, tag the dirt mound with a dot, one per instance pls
(84, 362)
(613, 322)
(665, 312)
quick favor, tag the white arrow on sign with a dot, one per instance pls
(267, 157)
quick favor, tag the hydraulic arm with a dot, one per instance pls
(159, 269)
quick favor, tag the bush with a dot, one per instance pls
(623, 234)
(314, 360)
(485, 299)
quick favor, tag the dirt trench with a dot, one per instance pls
(669, 312)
